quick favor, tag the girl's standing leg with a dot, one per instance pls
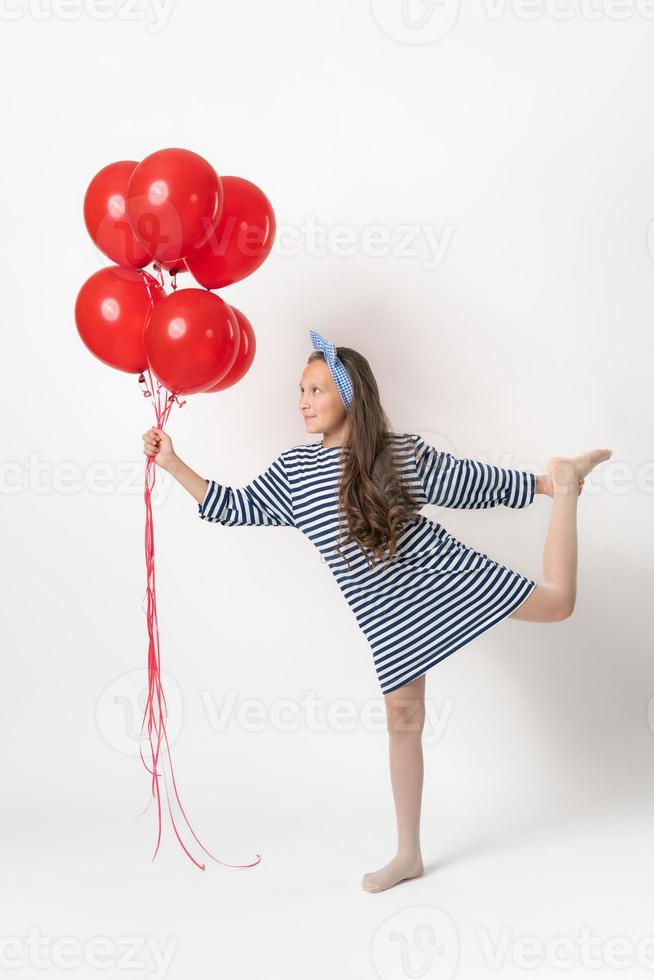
(405, 714)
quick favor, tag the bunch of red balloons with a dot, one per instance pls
(173, 210)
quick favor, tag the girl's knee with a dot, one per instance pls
(547, 604)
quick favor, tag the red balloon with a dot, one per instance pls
(242, 239)
(174, 200)
(106, 219)
(191, 340)
(111, 311)
(245, 356)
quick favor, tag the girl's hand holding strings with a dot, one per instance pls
(158, 444)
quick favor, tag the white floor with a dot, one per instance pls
(526, 874)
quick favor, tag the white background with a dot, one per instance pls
(520, 139)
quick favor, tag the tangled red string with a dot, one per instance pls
(154, 715)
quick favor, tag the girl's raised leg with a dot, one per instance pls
(555, 598)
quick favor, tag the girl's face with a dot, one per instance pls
(320, 400)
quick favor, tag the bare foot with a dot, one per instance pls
(568, 471)
(396, 870)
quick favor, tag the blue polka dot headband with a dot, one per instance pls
(336, 366)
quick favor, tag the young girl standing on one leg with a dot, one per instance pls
(550, 602)
(417, 592)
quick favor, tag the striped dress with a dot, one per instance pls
(436, 594)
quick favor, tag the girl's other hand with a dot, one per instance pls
(544, 484)
(156, 443)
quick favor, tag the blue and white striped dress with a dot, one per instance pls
(437, 594)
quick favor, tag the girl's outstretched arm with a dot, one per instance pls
(266, 500)
(467, 483)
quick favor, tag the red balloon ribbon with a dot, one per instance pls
(154, 716)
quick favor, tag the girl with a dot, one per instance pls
(417, 593)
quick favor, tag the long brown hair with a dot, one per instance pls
(374, 501)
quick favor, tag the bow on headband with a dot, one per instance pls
(336, 366)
